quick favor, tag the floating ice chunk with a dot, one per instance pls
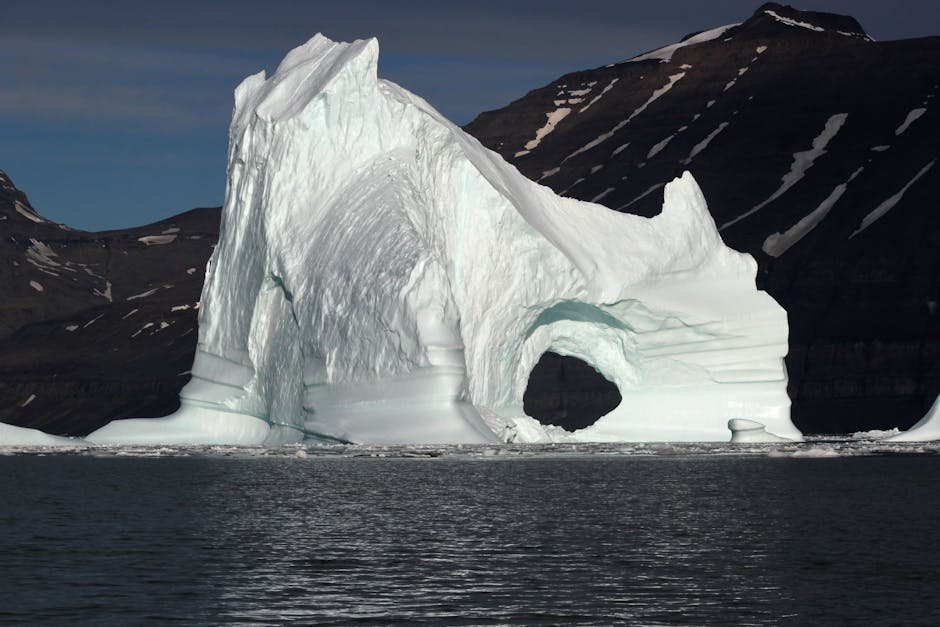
(745, 431)
(816, 452)
(382, 277)
(875, 434)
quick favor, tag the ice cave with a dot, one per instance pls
(381, 277)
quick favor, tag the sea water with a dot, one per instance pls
(656, 534)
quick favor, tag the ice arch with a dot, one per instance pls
(382, 277)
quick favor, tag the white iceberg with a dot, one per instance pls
(927, 429)
(381, 277)
(11, 435)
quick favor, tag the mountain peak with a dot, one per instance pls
(772, 15)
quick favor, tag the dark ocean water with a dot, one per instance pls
(577, 539)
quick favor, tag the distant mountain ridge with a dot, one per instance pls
(816, 148)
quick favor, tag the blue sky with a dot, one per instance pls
(115, 113)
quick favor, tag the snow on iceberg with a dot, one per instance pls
(381, 277)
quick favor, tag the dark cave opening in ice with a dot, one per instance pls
(568, 392)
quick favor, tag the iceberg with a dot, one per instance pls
(11, 435)
(383, 278)
(927, 429)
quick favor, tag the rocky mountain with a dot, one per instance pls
(817, 150)
(96, 326)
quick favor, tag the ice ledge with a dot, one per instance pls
(189, 425)
(750, 431)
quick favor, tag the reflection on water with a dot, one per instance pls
(694, 539)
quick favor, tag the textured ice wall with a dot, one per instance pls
(381, 277)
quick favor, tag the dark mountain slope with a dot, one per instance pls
(96, 326)
(816, 149)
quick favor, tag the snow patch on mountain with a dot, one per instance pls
(40, 255)
(702, 145)
(106, 294)
(554, 117)
(657, 148)
(650, 190)
(27, 213)
(150, 292)
(889, 203)
(802, 161)
(658, 93)
(791, 22)
(664, 54)
(779, 243)
(157, 240)
(912, 117)
(606, 89)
